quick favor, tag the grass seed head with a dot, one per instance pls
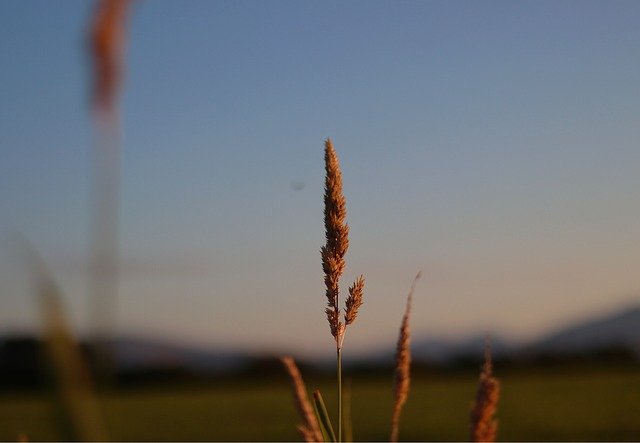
(402, 378)
(106, 44)
(310, 430)
(484, 426)
(354, 301)
(337, 238)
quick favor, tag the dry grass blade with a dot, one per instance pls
(310, 430)
(403, 366)
(106, 41)
(337, 238)
(484, 426)
(80, 406)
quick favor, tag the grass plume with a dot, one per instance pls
(337, 239)
(333, 262)
(402, 379)
(106, 42)
(484, 426)
(354, 301)
(310, 430)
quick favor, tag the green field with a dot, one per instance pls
(600, 406)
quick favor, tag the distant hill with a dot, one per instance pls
(23, 362)
(21, 357)
(442, 350)
(140, 354)
(621, 328)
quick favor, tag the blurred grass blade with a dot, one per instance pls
(310, 430)
(346, 411)
(402, 379)
(79, 406)
(324, 415)
(323, 430)
(484, 425)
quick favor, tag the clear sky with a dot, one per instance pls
(492, 145)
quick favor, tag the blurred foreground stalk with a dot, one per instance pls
(106, 46)
(78, 407)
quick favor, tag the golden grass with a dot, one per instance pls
(77, 400)
(354, 301)
(402, 380)
(106, 42)
(337, 239)
(310, 429)
(484, 426)
(333, 262)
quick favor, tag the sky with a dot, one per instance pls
(491, 145)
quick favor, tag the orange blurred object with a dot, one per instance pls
(106, 40)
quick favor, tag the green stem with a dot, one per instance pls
(339, 394)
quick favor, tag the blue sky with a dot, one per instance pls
(492, 145)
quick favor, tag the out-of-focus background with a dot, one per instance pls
(492, 145)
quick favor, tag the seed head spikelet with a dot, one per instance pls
(484, 426)
(107, 36)
(306, 434)
(354, 301)
(310, 430)
(337, 238)
(403, 365)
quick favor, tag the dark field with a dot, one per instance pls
(557, 406)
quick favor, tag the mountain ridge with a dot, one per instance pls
(620, 328)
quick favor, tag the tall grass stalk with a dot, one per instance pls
(346, 419)
(77, 404)
(333, 262)
(484, 426)
(402, 378)
(339, 358)
(106, 44)
(310, 430)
